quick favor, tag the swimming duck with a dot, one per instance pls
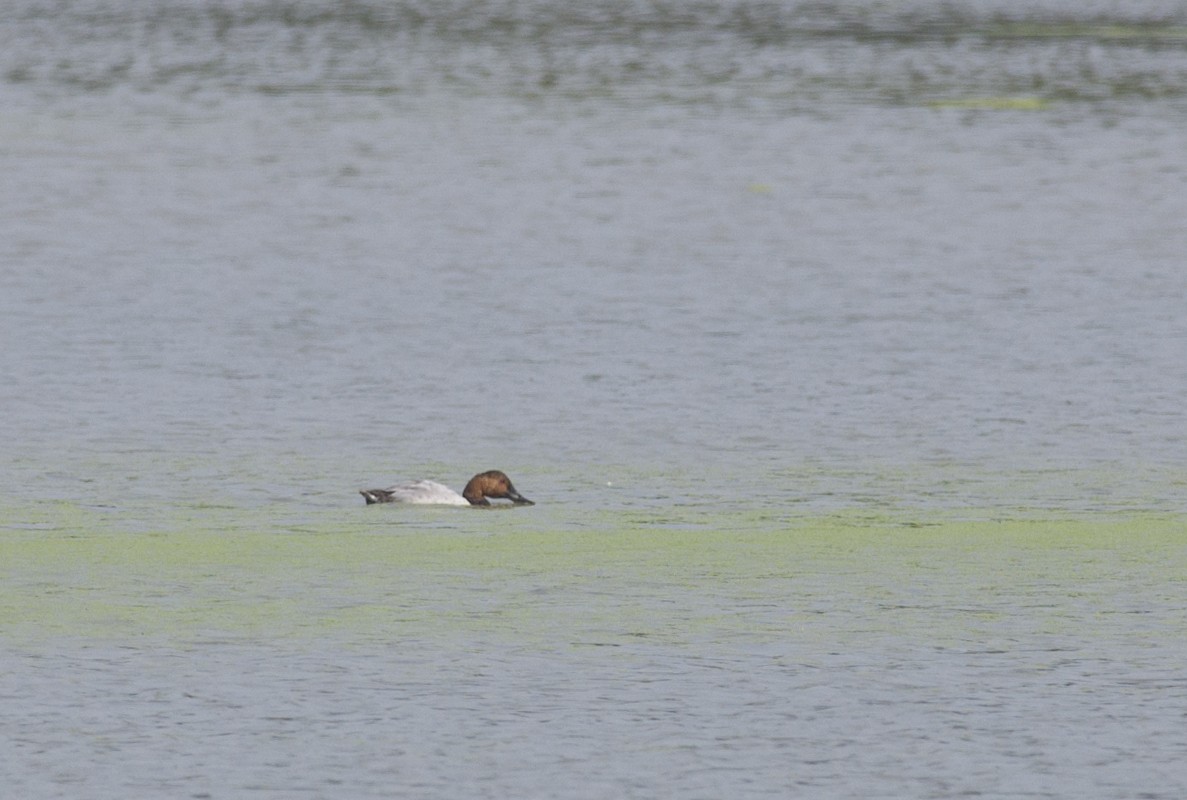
(492, 483)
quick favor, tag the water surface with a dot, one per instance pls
(841, 346)
(497, 653)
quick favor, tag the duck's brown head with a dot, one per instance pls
(493, 484)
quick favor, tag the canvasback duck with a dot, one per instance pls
(492, 483)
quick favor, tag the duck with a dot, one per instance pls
(492, 483)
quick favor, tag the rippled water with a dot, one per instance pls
(567, 655)
(841, 346)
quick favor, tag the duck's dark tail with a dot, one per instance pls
(376, 495)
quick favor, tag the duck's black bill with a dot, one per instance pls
(520, 500)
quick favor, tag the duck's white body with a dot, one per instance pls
(425, 492)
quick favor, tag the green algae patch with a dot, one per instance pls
(994, 103)
(539, 580)
(1150, 33)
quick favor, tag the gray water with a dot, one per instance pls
(726, 266)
